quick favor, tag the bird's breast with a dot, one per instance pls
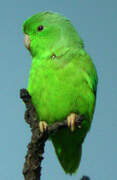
(56, 92)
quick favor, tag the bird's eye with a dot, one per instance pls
(40, 28)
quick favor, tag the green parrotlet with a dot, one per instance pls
(62, 82)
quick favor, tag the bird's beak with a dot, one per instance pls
(26, 41)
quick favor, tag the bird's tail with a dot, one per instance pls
(68, 149)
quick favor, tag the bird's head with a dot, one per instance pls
(46, 33)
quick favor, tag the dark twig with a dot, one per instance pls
(32, 165)
(85, 178)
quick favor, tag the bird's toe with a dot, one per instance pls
(71, 121)
(43, 126)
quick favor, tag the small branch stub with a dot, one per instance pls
(85, 178)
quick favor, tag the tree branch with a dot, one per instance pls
(33, 159)
(85, 178)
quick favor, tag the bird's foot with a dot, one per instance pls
(43, 126)
(71, 121)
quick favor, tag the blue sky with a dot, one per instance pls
(96, 22)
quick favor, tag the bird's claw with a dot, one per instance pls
(43, 126)
(71, 121)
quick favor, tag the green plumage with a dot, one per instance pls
(62, 80)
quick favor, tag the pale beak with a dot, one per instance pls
(26, 41)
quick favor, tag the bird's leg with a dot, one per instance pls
(71, 121)
(43, 126)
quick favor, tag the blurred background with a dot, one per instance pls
(96, 22)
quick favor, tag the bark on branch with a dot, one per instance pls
(85, 178)
(34, 157)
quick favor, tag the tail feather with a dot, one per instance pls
(68, 149)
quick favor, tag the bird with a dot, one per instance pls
(62, 82)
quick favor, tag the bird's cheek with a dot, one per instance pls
(26, 41)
